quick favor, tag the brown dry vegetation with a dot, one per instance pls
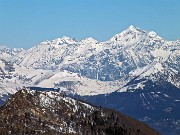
(23, 114)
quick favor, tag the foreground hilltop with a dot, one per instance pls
(47, 112)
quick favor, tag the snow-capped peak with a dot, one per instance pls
(64, 40)
(132, 28)
(8, 52)
(152, 34)
(128, 34)
(89, 40)
(58, 41)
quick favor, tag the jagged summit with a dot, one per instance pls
(152, 34)
(89, 40)
(58, 41)
(64, 40)
(8, 53)
(131, 35)
(133, 28)
(38, 112)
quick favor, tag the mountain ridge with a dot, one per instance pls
(105, 61)
(32, 112)
(135, 62)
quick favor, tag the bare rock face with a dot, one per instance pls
(47, 112)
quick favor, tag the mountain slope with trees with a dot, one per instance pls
(47, 112)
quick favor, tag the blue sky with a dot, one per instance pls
(25, 23)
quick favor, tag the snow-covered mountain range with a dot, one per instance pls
(125, 63)
(133, 53)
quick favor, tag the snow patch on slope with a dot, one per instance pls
(161, 53)
(80, 85)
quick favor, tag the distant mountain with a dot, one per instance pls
(135, 62)
(8, 53)
(35, 112)
(120, 58)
